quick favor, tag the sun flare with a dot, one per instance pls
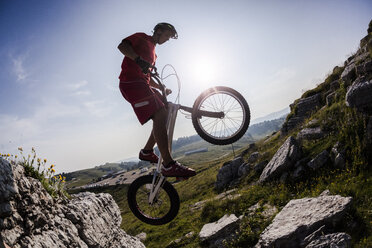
(205, 71)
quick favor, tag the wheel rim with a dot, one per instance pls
(230, 124)
(160, 207)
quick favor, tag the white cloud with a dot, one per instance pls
(78, 85)
(81, 93)
(19, 68)
(98, 108)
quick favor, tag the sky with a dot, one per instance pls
(59, 65)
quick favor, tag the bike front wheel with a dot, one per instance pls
(164, 207)
(227, 129)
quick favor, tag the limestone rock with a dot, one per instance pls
(304, 108)
(310, 133)
(38, 220)
(301, 217)
(335, 85)
(339, 240)
(330, 99)
(319, 161)
(260, 166)
(349, 73)
(359, 96)
(141, 236)
(219, 229)
(228, 172)
(244, 169)
(282, 161)
(253, 158)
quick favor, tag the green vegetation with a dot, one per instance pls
(36, 168)
(342, 124)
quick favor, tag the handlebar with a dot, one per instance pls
(155, 75)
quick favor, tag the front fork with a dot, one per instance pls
(158, 179)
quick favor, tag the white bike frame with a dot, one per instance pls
(158, 178)
(172, 109)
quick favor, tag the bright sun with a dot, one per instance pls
(204, 71)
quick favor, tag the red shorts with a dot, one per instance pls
(144, 100)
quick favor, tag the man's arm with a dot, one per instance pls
(153, 84)
(126, 48)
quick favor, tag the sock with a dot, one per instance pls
(147, 151)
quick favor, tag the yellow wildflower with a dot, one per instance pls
(52, 166)
(45, 160)
(60, 177)
(53, 171)
(38, 160)
(16, 156)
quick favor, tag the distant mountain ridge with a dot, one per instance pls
(272, 116)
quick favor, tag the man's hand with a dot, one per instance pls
(143, 64)
(168, 91)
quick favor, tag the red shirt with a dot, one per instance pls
(144, 46)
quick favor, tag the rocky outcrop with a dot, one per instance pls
(283, 160)
(338, 156)
(214, 233)
(319, 161)
(302, 110)
(32, 218)
(339, 240)
(310, 134)
(301, 217)
(359, 96)
(228, 173)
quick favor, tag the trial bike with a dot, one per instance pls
(220, 115)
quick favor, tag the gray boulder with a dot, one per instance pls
(38, 220)
(253, 158)
(244, 169)
(338, 156)
(339, 240)
(301, 217)
(310, 133)
(260, 166)
(303, 109)
(319, 161)
(228, 173)
(359, 96)
(349, 73)
(214, 233)
(364, 68)
(330, 99)
(282, 161)
(335, 85)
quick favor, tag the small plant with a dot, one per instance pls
(37, 168)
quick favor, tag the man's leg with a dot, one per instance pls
(150, 142)
(160, 135)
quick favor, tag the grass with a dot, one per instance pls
(343, 125)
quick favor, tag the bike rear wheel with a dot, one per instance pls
(164, 208)
(225, 130)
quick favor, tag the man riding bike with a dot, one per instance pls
(139, 90)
